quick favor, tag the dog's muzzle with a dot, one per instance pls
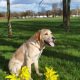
(50, 41)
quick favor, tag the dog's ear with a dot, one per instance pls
(37, 36)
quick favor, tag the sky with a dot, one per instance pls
(23, 5)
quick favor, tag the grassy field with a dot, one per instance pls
(64, 57)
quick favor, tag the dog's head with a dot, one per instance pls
(45, 35)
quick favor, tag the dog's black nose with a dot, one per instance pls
(53, 38)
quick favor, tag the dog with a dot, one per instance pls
(30, 51)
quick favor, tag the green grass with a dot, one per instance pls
(64, 57)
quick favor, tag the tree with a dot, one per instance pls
(54, 8)
(9, 22)
(66, 14)
(48, 13)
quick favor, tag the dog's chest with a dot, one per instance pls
(36, 53)
(37, 56)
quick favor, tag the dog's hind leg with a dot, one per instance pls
(14, 67)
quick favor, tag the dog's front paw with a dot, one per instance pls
(39, 74)
(31, 78)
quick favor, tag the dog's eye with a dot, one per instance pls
(46, 33)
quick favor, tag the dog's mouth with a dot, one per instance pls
(50, 43)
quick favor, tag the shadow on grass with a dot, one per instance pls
(4, 63)
(16, 43)
(36, 25)
(62, 56)
(8, 43)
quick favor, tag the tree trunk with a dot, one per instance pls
(8, 17)
(66, 15)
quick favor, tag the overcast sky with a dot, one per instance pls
(23, 5)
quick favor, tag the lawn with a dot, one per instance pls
(64, 57)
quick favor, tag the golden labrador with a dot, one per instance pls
(30, 51)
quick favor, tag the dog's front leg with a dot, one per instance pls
(29, 67)
(37, 68)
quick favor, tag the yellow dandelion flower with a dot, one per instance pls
(51, 74)
(12, 77)
(24, 73)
